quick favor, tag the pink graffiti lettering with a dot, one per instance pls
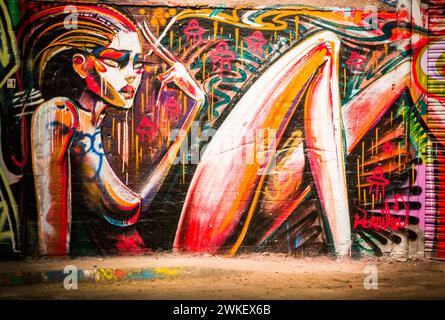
(385, 221)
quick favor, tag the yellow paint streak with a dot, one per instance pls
(236, 39)
(171, 39)
(184, 102)
(137, 154)
(215, 29)
(146, 91)
(297, 21)
(212, 103)
(400, 157)
(204, 59)
(358, 181)
(242, 52)
(3, 207)
(132, 134)
(377, 141)
(167, 271)
(363, 158)
(162, 122)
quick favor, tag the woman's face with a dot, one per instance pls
(114, 73)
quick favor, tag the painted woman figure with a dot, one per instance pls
(85, 59)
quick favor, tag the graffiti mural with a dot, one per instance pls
(304, 130)
(9, 211)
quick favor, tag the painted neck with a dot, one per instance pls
(91, 103)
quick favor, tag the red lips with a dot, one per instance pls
(128, 92)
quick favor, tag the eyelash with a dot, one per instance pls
(111, 63)
(115, 64)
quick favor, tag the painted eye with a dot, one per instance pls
(111, 63)
(137, 66)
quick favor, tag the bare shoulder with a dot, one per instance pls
(60, 110)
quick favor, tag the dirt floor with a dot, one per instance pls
(247, 277)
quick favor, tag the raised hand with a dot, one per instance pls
(177, 73)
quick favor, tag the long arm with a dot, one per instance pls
(53, 125)
(179, 75)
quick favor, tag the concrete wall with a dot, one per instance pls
(141, 126)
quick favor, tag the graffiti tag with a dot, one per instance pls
(385, 220)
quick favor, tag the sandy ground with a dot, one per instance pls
(250, 277)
